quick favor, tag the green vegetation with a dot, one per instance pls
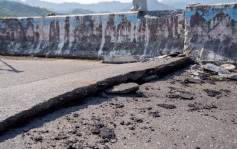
(81, 11)
(15, 9)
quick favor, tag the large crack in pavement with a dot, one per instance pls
(78, 95)
(146, 119)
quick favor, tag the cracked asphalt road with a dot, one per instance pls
(153, 118)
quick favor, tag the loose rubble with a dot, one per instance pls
(229, 67)
(199, 73)
(215, 69)
(125, 88)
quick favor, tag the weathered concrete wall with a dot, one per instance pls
(92, 36)
(211, 32)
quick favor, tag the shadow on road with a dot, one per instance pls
(11, 68)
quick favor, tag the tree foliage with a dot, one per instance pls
(81, 11)
(15, 9)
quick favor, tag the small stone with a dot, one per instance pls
(191, 105)
(149, 108)
(229, 67)
(61, 137)
(100, 125)
(122, 123)
(113, 140)
(191, 80)
(194, 73)
(174, 96)
(232, 76)
(79, 134)
(186, 96)
(139, 94)
(174, 54)
(95, 131)
(182, 55)
(75, 115)
(106, 133)
(195, 67)
(125, 88)
(119, 106)
(71, 147)
(143, 60)
(167, 106)
(214, 68)
(139, 121)
(212, 93)
(38, 139)
(106, 147)
(210, 107)
(161, 57)
(154, 114)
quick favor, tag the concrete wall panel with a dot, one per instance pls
(211, 32)
(92, 36)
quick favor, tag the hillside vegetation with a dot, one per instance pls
(15, 9)
(81, 11)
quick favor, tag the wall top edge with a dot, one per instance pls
(219, 5)
(79, 15)
(157, 13)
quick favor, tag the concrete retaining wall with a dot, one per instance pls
(92, 36)
(211, 32)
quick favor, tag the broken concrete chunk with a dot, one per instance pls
(186, 96)
(182, 55)
(193, 80)
(120, 59)
(123, 88)
(212, 93)
(195, 67)
(167, 106)
(228, 67)
(195, 73)
(146, 59)
(174, 54)
(214, 68)
(161, 57)
(232, 76)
